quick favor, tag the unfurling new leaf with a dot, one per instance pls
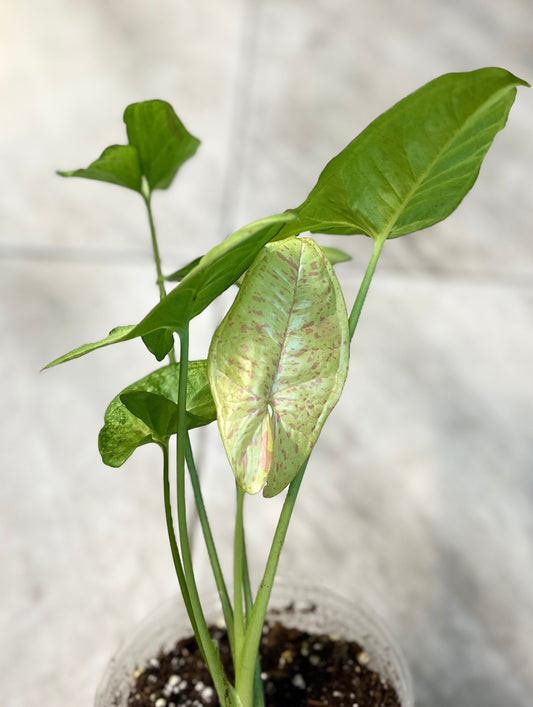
(278, 362)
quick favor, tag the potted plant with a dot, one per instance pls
(277, 362)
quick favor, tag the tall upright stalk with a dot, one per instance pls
(160, 281)
(224, 690)
(176, 558)
(238, 575)
(181, 554)
(225, 601)
(244, 679)
(258, 695)
(155, 247)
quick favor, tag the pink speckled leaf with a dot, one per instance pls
(278, 362)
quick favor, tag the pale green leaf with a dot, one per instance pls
(278, 362)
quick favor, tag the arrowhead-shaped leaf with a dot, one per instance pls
(158, 145)
(413, 165)
(216, 271)
(278, 362)
(118, 164)
(148, 413)
(161, 140)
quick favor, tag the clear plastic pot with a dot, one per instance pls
(333, 615)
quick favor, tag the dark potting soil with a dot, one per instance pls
(298, 670)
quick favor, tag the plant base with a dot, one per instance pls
(299, 669)
(318, 649)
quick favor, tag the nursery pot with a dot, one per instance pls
(309, 609)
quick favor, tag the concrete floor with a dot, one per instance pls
(419, 496)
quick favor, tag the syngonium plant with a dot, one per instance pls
(278, 360)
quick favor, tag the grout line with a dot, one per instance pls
(82, 255)
(92, 256)
(75, 254)
(503, 280)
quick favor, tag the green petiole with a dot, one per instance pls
(210, 544)
(245, 668)
(210, 653)
(365, 284)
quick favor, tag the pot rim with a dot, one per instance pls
(335, 614)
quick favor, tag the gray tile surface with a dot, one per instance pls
(419, 496)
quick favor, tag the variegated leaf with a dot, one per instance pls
(278, 362)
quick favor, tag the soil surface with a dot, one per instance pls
(298, 670)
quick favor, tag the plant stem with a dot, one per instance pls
(246, 585)
(210, 543)
(238, 575)
(246, 666)
(259, 695)
(172, 537)
(157, 258)
(363, 288)
(210, 653)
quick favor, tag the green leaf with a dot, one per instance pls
(216, 271)
(178, 275)
(335, 255)
(158, 413)
(413, 165)
(118, 164)
(124, 431)
(159, 145)
(278, 362)
(159, 342)
(119, 333)
(161, 139)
